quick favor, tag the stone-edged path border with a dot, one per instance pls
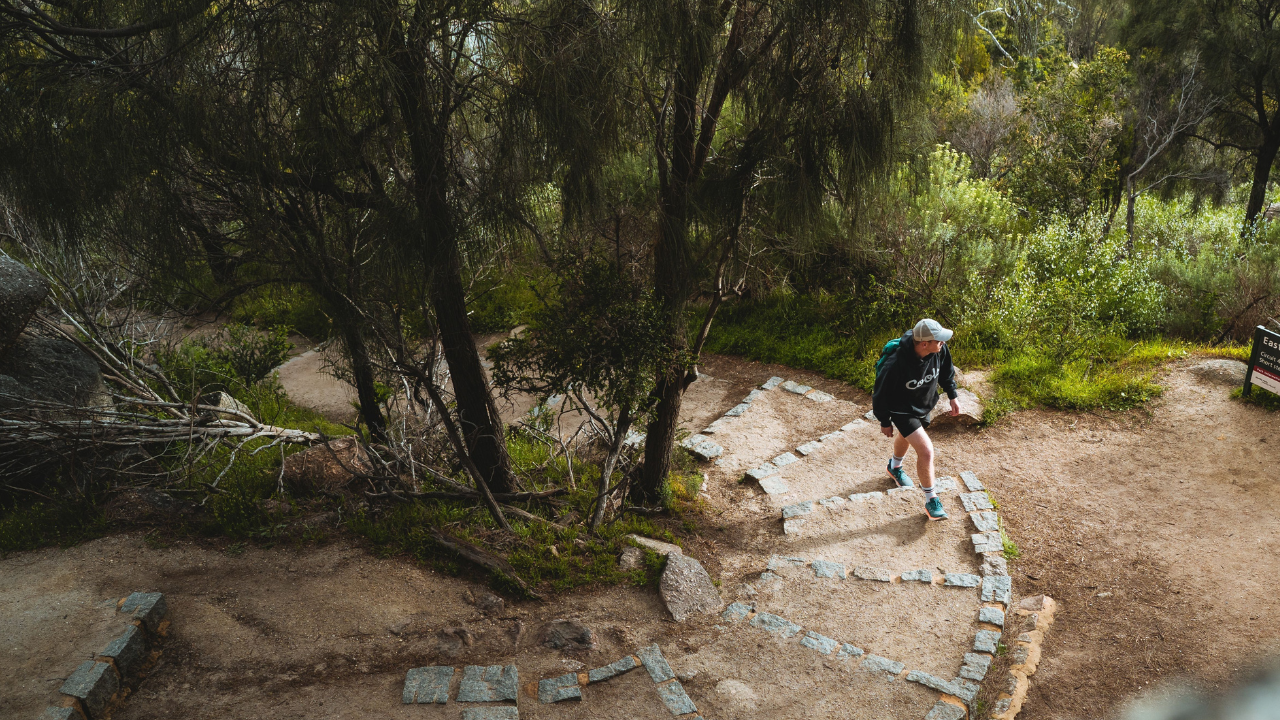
(705, 448)
(96, 683)
(501, 684)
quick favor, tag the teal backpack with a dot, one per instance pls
(888, 350)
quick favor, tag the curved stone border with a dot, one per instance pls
(95, 684)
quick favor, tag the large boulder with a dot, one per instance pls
(687, 589)
(50, 369)
(327, 468)
(21, 292)
(970, 409)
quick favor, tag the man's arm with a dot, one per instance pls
(947, 373)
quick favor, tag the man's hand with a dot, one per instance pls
(955, 407)
(887, 431)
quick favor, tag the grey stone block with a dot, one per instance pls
(870, 415)
(702, 447)
(985, 521)
(792, 526)
(964, 689)
(751, 396)
(777, 562)
(803, 508)
(860, 497)
(830, 436)
(128, 651)
(61, 713)
(774, 486)
(971, 481)
(945, 711)
(976, 501)
(735, 612)
(556, 689)
(737, 410)
(923, 575)
(1019, 654)
(929, 681)
(762, 472)
(794, 387)
(894, 492)
(492, 683)
(617, 667)
(819, 396)
(975, 666)
(1001, 706)
(961, 580)
(717, 425)
(775, 624)
(771, 383)
(655, 663)
(821, 643)
(502, 712)
(985, 548)
(946, 484)
(994, 565)
(784, 460)
(150, 608)
(986, 539)
(986, 641)
(658, 546)
(767, 576)
(848, 651)
(826, 569)
(875, 663)
(676, 699)
(93, 684)
(997, 588)
(427, 685)
(833, 502)
(870, 573)
(809, 448)
(995, 616)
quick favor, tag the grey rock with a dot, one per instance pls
(976, 501)
(560, 688)
(737, 410)
(61, 713)
(21, 292)
(975, 666)
(997, 588)
(827, 569)
(961, 580)
(687, 589)
(775, 624)
(771, 383)
(702, 447)
(792, 526)
(995, 616)
(613, 669)
(945, 711)
(50, 369)
(794, 387)
(946, 484)
(662, 548)
(767, 576)
(631, 559)
(929, 681)
(676, 699)
(875, 663)
(922, 575)
(150, 608)
(819, 396)
(762, 472)
(848, 427)
(809, 448)
(567, 635)
(492, 683)
(859, 497)
(849, 651)
(490, 604)
(735, 612)
(986, 539)
(797, 509)
(986, 641)
(751, 396)
(427, 685)
(871, 573)
(970, 409)
(774, 486)
(821, 643)
(994, 564)
(1001, 706)
(1024, 637)
(1225, 372)
(784, 460)
(655, 663)
(93, 684)
(830, 436)
(971, 481)
(964, 689)
(870, 415)
(128, 651)
(1019, 654)
(777, 562)
(717, 425)
(894, 492)
(832, 502)
(985, 521)
(501, 712)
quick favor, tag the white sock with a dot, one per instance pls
(895, 462)
(930, 492)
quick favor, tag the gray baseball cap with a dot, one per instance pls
(928, 329)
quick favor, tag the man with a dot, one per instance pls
(907, 380)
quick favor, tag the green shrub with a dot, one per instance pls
(291, 306)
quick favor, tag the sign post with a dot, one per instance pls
(1264, 362)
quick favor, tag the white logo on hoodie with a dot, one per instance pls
(928, 378)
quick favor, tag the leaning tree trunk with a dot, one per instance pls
(1261, 175)
(353, 339)
(1129, 213)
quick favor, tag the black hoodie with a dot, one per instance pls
(907, 384)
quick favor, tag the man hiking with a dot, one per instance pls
(908, 374)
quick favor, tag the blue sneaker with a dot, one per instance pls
(933, 508)
(899, 476)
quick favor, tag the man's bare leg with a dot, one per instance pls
(920, 442)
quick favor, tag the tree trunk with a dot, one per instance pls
(1261, 175)
(362, 373)
(1128, 214)
(620, 429)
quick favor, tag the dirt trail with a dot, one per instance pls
(1156, 531)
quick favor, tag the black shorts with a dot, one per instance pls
(908, 424)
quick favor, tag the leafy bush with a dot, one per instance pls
(237, 358)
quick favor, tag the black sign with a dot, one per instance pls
(1264, 363)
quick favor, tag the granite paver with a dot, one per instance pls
(821, 643)
(875, 663)
(971, 481)
(427, 685)
(986, 641)
(976, 501)
(872, 573)
(961, 580)
(997, 588)
(655, 663)
(676, 699)
(995, 616)
(150, 608)
(975, 666)
(128, 651)
(93, 684)
(923, 575)
(826, 569)
(626, 664)
(557, 689)
(491, 683)
(775, 624)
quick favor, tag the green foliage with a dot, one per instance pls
(510, 300)
(236, 358)
(289, 306)
(62, 521)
